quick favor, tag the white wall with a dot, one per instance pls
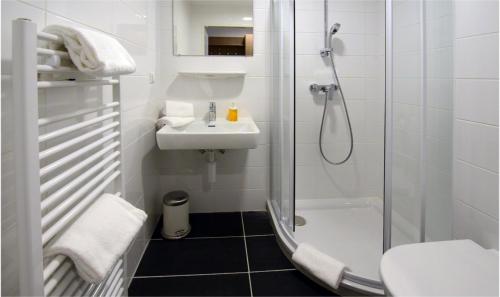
(133, 24)
(242, 175)
(475, 162)
(359, 56)
(182, 27)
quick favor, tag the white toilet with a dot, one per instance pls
(445, 268)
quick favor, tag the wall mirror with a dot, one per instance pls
(213, 27)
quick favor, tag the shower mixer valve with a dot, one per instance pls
(326, 52)
(316, 88)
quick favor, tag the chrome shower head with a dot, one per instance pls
(334, 29)
(328, 40)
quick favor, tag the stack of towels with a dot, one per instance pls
(99, 237)
(92, 52)
(176, 114)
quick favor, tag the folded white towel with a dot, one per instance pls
(93, 52)
(176, 114)
(99, 237)
(324, 267)
(178, 109)
(174, 122)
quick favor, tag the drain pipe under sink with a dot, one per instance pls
(211, 165)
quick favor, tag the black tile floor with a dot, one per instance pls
(226, 254)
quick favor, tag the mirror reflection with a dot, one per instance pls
(213, 27)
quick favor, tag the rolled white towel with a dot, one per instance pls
(322, 266)
(174, 122)
(99, 237)
(93, 52)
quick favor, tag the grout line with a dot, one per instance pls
(274, 270)
(476, 122)
(209, 274)
(259, 235)
(459, 160)
(477, 209)
(187, 275)
(476, 35)
(219, 237)
(208, 237)
(246, 253)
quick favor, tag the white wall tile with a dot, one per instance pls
(477, 57)
(309, 21)
(477, 100)
(470, 223)
(477, 187)
(476, 124)
(360, 64)
(475, 17)
(477, 144)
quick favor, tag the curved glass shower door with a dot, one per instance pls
(342, 205)
(396, 74)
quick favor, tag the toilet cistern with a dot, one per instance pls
(212, 114)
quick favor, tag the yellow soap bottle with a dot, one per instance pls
(232, 113)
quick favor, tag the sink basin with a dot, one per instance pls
(242, 134)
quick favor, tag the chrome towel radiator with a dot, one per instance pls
(63, 161)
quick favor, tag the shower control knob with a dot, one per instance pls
(326, 52)
(316, 88)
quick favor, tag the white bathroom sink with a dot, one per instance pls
(242, 134)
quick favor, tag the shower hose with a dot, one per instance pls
(327, 94)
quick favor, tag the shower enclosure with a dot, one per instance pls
(394, 61)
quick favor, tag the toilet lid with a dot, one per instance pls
(444, 268)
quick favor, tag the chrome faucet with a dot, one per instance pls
(212, 114)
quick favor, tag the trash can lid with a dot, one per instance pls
(175, 198)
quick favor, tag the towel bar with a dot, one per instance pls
(78, 209)
(76, 83)
(59, 197)
(77, 140)
(47, 186)
(49, 37)
(64, 161)
(75, 127)
(52, 69)
(44, 171)
(62, 117)
(49, 52)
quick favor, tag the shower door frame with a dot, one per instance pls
(388, 123)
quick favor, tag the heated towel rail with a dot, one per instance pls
(64, 162)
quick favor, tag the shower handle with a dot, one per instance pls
(317, 88)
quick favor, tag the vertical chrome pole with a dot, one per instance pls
(27, 168)
(325, 22)
(423, 122)
(388, 127)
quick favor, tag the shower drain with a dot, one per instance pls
(300, 221)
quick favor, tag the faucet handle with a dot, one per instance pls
(211, 105)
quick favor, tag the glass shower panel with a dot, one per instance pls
(422, 120)
(439, 35)
(407, 105)
(282, 111)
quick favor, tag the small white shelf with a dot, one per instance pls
(212, 74)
